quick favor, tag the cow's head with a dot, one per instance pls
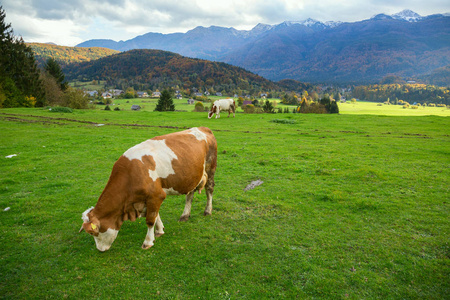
(104, 237)
(212, 111)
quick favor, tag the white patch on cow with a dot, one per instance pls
(171, 191)
(84, 216)
(161, 153)
(104, 240)
(199, 135)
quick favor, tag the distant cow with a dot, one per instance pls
(223, 104)
(174, 164)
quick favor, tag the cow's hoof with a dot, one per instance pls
(158, 234)
(183, 219)
(206, 213)
(146, 247)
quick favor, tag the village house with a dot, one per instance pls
(107, 95)
(156, 94)
(142, 94)
(116, 92)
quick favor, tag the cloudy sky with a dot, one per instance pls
(69, 22)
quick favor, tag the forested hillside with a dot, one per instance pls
(156, 69)
(66, 55)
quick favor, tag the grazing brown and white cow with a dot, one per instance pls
(222, 105)
(173, 164)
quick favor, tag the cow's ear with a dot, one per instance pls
(91, 228)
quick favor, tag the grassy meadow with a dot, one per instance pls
(352, 206)
(360, 107)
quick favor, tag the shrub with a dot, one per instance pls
(414, 107)
(117, 108)
(74, 98)
(249, 109)
(199, 107)
(268, 107)
(283, 121)
(107, 107)
(61, 109)
(314, 108)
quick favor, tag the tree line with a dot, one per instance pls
(411, 93)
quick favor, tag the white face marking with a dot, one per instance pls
(161, 153)
(199, 135)
(84, 216)
(104, 240)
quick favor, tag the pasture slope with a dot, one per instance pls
(351, 207)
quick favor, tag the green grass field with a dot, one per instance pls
(361, 107)
(353, 206)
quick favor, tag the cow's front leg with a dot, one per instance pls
(149, 238)
(152, 217)
(187, 208)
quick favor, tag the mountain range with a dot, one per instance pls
(403, 44)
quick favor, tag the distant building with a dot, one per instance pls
(116, 92)
(106, 95)
(156, 94)
(142, 94)
(135, 107)
(191, 101)
(91, 93)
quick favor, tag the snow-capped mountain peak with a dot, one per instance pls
(407, 15)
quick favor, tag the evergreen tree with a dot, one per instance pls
(268, 107)
(165, 102)
(334, 108)
(53, 68)
(19, 75)
(326, 102)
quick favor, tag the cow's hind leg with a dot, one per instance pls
(187, 208)
(209, 194)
